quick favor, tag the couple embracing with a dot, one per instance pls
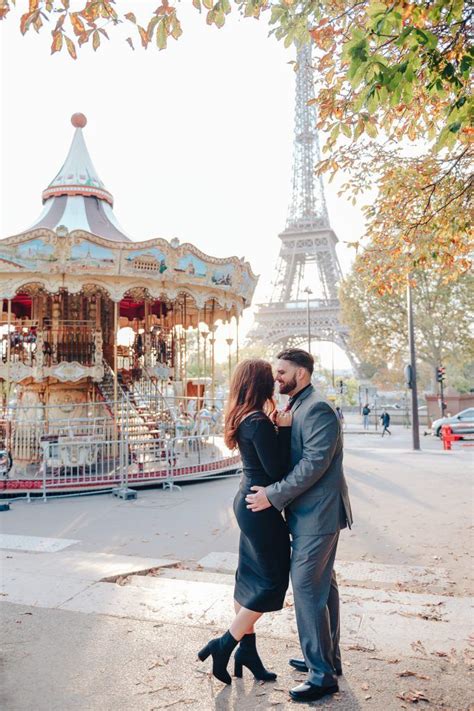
(293, 485)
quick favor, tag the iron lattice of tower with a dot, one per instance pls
(308, 267)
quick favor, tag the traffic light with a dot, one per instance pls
(341, 386)
(440, 373)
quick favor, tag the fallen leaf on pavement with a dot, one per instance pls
(122, 580)
(433, 616)
(360, 648)
(178, 701)
(161, 662)
(407, 672)
(413, 696)
(418, 647)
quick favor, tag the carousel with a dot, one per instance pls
(97, 335)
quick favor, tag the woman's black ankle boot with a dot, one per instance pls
(247, 656)
(221, 649)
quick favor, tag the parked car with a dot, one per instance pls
(462, 423)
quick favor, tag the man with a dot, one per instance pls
(316, 502)
(385, 417)
(366, 413)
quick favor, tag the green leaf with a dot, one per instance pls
(161, 36)
(346, 130)
(376, 8)
(371, 130)
(219, 19)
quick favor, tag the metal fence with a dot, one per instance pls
(107, 444)
(94, 464)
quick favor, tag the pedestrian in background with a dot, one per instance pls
(366, 413)
(385, 418)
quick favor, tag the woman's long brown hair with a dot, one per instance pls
(251, 388)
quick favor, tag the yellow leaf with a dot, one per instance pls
(161, 36)
(176, 32)
(77, 24)
(71, 48)
(57, 42)
(95, 40)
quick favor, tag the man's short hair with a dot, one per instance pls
(298, 357)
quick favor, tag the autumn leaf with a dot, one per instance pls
(130, 17)
(27, 19)
(144, 37)
(57, 42)
(71, 47)
(77, 24)
(161, 35)
(95, 40)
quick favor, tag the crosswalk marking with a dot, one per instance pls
(35, 544)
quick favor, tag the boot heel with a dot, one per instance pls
(237, 669)
(204, 653)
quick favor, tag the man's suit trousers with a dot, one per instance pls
(317, 604)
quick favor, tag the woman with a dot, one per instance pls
(264, 550)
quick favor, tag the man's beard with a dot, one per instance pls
(286, 388)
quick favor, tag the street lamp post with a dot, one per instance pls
(413, 386)
(308, 292)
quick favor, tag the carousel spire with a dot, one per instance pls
(77, 198)
(78, 175)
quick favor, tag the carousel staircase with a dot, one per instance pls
(139, 425)
(150, 401)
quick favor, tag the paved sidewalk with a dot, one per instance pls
(58, 660)
(94, 631)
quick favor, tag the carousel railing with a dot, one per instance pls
(21, 342)
(68, 341)
(95, 464)
(24, 428)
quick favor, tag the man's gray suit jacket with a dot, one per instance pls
(314, 493)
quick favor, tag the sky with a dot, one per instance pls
(194, 142)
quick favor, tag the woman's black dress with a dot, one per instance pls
(262, 574)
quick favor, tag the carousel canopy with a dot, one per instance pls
(77, 198)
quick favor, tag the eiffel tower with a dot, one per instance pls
(308, 270)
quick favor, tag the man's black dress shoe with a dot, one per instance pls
(311, 692)
(300, 665)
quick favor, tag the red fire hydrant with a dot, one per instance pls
(448, 436)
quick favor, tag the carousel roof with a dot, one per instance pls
(77, 198)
